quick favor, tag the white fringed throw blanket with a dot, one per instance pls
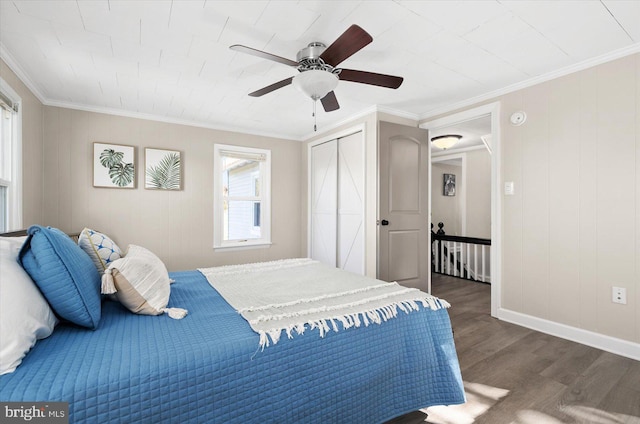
(288, 295)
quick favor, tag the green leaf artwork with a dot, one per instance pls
(110, 157)
(121, 173)
(165, 174)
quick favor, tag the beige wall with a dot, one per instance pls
(571, 231)
(177, 226)
(31, 148)
(472, 199)
(446, 209)
(478, 194)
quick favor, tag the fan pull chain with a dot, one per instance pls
(315, 118)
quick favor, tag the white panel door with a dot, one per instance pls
(324, 202)
(403, 234)
(351, 203)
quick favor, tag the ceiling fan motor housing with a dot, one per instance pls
(309, 59)
(312, 51)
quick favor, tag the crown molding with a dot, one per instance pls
(8, 58)
(585, 64)
(168, 120)
(35, 89)
(397, 112)
(11, 62)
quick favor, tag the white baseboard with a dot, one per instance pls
(610, 344)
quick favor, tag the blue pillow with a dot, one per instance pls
(64, 273)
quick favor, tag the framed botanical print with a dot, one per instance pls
(114, 165)
(162, 169)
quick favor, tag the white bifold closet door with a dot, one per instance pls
(337, 203)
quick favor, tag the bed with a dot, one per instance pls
(209, 367)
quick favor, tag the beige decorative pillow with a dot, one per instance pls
(140, 282)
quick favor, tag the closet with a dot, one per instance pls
(336, 172)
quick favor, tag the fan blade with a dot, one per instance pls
(352, 40)
(330, 102)
(272, 87)
(371, 78)
(263, 55)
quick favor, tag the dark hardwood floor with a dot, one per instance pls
(516, 375)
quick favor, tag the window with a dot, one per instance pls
(10, 160)
(242, 179)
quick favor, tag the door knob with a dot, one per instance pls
(384, 222)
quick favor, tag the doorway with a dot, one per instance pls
(493, 143)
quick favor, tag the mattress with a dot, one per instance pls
(208, 368)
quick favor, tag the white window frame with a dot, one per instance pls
(14, 186)
(218, 199)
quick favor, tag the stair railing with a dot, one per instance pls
(462, 257)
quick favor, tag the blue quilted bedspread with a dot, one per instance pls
(206, 368)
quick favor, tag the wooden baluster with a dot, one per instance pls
(483, 267)
(462, 259)
(475, 261)
(442, 257)
(468, 255)
(436, 254)
(448, 258)
(455, 259)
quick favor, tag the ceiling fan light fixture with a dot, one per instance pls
(315, 83)
(446, 141)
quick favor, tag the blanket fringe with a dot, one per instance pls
(355, 320)
(427, 302)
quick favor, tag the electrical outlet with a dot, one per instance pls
(509, 188)
(619, 295)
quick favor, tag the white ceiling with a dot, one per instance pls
(170, 60)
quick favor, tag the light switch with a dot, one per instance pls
(508, 188)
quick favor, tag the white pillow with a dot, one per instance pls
(141, 283)
(25, 316)
(100, 248)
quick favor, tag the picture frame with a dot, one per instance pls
(162, 169)
(114, 165)
(449, 184)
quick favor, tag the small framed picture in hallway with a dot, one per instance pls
(449, 185)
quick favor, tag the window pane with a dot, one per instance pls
(5, 144)
(256, 214)
(241, 197)
(240, 220)
(3, 209)
(240, 177)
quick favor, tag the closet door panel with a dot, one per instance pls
(324, 202)
(351, 243)
(351, 203)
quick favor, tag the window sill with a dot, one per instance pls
(243, 246)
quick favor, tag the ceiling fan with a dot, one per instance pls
(319, 74)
